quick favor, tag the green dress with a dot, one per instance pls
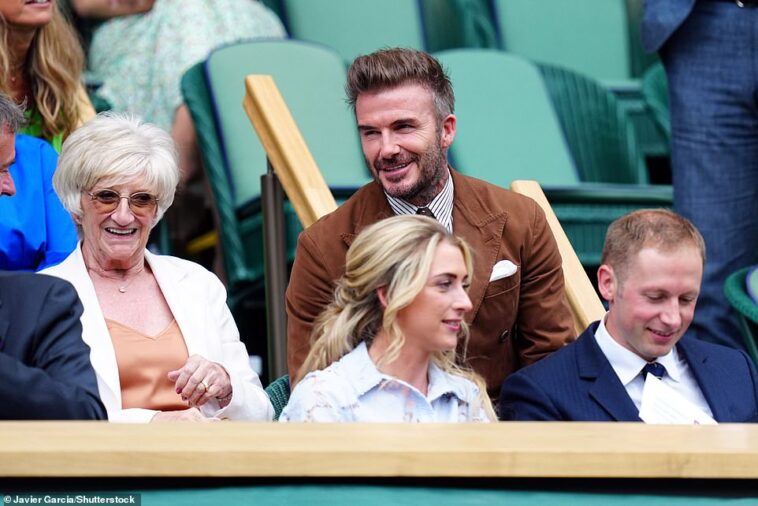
(34, 128)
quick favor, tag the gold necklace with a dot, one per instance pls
(121, 288)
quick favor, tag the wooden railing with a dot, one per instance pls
(585, 304)
(286, 150)
(228, 449)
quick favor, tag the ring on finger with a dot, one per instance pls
(205, 385)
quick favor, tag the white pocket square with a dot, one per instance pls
(503, 269)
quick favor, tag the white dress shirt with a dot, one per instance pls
(628, 366)
(441, 205)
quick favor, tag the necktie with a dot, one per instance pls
(425, 211)
(655, 369)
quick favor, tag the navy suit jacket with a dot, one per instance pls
(660, 19)
(45, 370)
(577, 383)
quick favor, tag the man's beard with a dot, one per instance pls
(431, 164)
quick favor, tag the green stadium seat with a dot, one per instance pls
(597, 38)
(501, 102)
(354, 27)
(508, 129)
(736, 291)
(590, 36)
(311, 79)
(279, 393)
(655, 91)
(600, 136)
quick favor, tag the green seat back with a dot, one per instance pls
(746, 308)
(655, 92)
(279, 393)
(311, 79)
(751, 282)
(600, 136)
(354, 27)
(591, 36)
(458, 23)
(198, 100)
(507, 128)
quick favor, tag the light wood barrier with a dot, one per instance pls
(84, 105)
(286, 149)
(585, 304)
(539, 450)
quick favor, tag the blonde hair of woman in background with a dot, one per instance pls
(42, 61)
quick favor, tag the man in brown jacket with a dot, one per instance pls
(403, 103)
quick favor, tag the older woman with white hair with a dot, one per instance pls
(164, 344)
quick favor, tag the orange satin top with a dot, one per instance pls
(143, 362)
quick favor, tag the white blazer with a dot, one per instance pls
(197, 300)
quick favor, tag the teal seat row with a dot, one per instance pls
(354, 27)
(564, 130)
(597, 38)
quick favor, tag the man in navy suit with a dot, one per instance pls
(45, 371)
(650, 275)
(708, 50)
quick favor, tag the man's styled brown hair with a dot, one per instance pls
(657, 228)
(392, 67)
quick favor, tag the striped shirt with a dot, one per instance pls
(441, 205)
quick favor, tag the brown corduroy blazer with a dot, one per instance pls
(515, 321)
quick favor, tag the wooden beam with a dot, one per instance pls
(585, 304)
(84, 106)
(286, 149)
(228, 449)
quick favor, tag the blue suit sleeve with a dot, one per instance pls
(522, 399)
(61, 235)
(56, 380)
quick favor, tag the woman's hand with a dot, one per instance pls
(184, 415)
(200, 380)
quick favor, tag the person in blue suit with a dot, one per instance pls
(650, 275)
(45, 370)
(708, 50)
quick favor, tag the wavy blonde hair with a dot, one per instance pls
(397, 254)
(54, 67)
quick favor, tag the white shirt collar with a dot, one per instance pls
(441, 205)
(361, 369)
(628, 364)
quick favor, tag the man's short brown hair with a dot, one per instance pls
(647, 228)
(392, 67)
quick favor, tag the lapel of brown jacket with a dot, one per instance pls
(373, 207)
(482, 230)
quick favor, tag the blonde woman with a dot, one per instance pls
(385, 349)
(41, 62)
